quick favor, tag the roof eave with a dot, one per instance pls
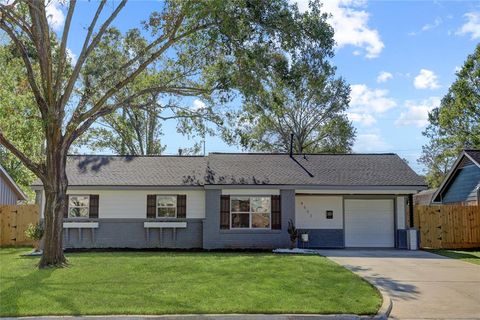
(15, 187)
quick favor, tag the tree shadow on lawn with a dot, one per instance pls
(35, 282)
(394, 288)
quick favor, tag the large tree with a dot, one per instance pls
(202, 48)
(302, 97)
(136, 127)
(455, 124)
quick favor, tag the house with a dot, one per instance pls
(462, 183)
(10, 192)
(242, 200)
(424, 197)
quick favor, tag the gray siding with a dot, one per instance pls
(323, 238)
(402, 239)
(463, 186)
(130, 233)
(7, 194)
(214, 238)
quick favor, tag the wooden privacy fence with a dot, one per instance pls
(14, 220)
(448, 226)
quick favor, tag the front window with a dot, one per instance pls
(166, 206)
(250, 212)
(78, 206)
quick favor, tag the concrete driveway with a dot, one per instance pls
(422, 285)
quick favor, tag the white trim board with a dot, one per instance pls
(83, 225)
(354, 192)
(164, 225)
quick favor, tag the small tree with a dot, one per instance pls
(293, 232)
(35, 232)
(210, 49)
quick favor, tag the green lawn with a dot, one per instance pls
(469, 256)
(176, 282)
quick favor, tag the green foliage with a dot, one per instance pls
(302, 97)
(19, 118)
(455, 124)
(34, 231)
(158, 283)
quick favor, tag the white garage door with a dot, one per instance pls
(369, 223)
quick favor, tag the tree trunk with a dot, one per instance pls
(55, 205)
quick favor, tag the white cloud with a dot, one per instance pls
(370, 142)
(199, 105)
(472, 26)
(429, 26)
(366, 103)
(362, 118)
(350, 23)
(384, 76)
(416, 113)
(426, 79)
(55, 15)
(72, 56)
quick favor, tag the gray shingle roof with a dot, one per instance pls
(318, 169)
(134, 170)
(242, 168)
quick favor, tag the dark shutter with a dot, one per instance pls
(93, 210)
(276, 213)
(151, 206)
(65, 213)
(181, 206)
(225, 212)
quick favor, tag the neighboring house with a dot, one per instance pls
(462, 183)
(241, 200)
(424, 197)
(10, 192)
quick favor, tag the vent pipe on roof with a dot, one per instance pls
(291, 145)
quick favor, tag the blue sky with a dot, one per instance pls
(398, 56)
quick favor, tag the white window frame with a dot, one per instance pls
(250, 212)
(71, 207)
(157, 206)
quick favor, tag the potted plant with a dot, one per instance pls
(35, 233)
(293, 232)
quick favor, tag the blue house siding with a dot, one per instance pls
(214, 238)
(464, 185)
(323, 238)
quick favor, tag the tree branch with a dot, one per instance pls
(63, 48)
(87, 48)
(28, 66)
(36, 168)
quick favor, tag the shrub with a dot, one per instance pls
(34, 231)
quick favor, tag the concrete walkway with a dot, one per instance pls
(422, 285)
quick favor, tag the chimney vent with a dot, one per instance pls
(291, 145)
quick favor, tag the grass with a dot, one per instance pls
(468, 256)
(181, 282)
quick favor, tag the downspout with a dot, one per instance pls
(410, 210)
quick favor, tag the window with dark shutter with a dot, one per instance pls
(181, 206)
(151, 206)
(225, 212)
(276, 213)
(93, 209)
